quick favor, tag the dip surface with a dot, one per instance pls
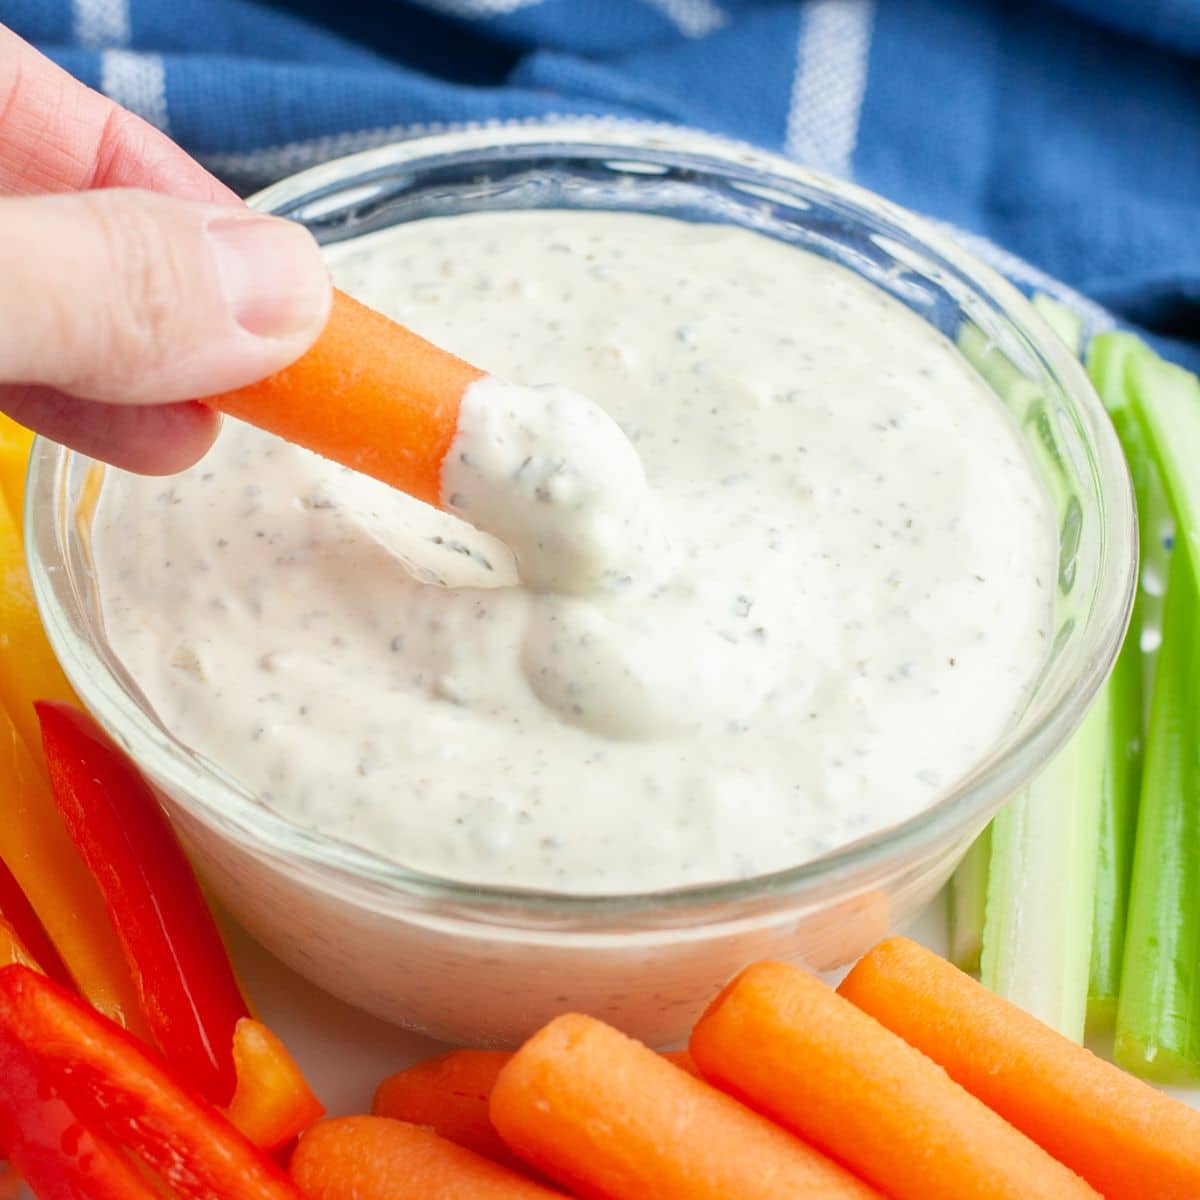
(844, 594)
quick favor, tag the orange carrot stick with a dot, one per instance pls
(370, 394)
(1128, 1140)
(373, 1158)
(611, 1120)
(797, 1052)
(683, 1060)
(450, 1094)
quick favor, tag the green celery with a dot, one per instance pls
(1004, 377)
(1108, 356)
(1040, 873)
(1037, 937)
(1066, 322)
(1158, 1016)
(1110, 363)
(1119, 790)
(967, 904)
(1167, 401)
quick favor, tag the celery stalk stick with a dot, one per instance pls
(1108, 356)
(1158, 1016)
(1037, 936)
(1041, 873)
(1066, 322)
(967, 902)
(1119, 790)
(1109, 363)
(1167, 401)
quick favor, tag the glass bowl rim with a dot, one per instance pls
(220, 805)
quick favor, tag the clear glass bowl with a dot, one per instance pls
(486, 965)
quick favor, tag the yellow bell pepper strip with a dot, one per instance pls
(76, 1086)
(186, 983)
(13, 950)
(37, 849)
(273, 1102)
(33, 840)
(23, 936)
(29, 670)
(15, 444)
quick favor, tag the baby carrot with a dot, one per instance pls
(369, 394)
(683, 1060)
(1126, 1139)
(449, 1094)
(373, 1158)
(611, 1120)
(792, 1048)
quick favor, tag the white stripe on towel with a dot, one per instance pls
(478, 10)
(694, 18)
(832, 54)
(100, 23)
(137, 82)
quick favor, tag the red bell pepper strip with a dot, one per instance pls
(107, 1082)
(185, 981)
(60, 1157)
(10, 1183)
(17, 913)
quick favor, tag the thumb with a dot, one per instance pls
(128, 297)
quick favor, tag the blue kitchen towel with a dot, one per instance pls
(1059, 133)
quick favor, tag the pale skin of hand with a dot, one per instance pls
(134, 281)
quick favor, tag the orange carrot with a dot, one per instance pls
(449, 1094)
(683, 1060)
(611, 1120)
(373, 1158)
(1128, 1140)
(370, 394)
(793, 1049)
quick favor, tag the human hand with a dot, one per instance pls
(131, 280)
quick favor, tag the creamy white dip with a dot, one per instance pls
(809, 603)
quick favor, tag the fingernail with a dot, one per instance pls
(272, 275)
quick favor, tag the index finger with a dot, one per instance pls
(56, 135)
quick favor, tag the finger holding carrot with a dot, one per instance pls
(370, 394)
